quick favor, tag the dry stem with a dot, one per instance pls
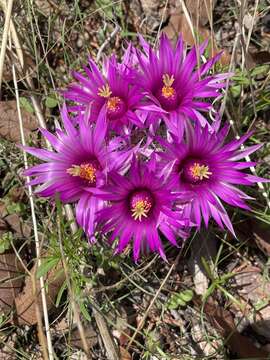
(4, 39)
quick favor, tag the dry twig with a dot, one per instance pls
(107, 41)
(4, 39)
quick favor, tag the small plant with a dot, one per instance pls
(180, 299)
(5, 241)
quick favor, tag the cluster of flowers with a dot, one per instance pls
(174, 177)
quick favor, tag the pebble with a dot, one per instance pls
(79, 43)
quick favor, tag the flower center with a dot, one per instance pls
(113, 103)
(167, 90)
(195, 171)
(85, 171)
(116, 107)
(166, 94)
(200, 172)
(141, 203)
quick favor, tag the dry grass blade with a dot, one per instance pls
(33, 214)
(4, 40)
(106, 42)
(161, 22)
(14, 35)
(189, 21)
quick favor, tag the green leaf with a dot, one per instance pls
(207, 268)
(231, 297)
(85, 311)
(208, 292)
(186, 295)
(180, 301)
(26, 105)
(5, 241)
(261, 304)
(51, 102)
(2, 319)
(236, 90)
(172, 305)
(260, 70)
(60, 293)
(46, 265)
(15, 208)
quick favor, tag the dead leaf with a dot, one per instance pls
(178, 24)
(254, 290)
(25, 302)
(222, 320)
(124, 354)
(257, 58)
(9, 127)
(11, 59)
(266, 26)
(261, 234)
(11, 280)
(19, 227)
(16, 193)
(198, 333)
(3, 208)
(7, 75)
(200, 10)
(3, 225)
(90, 336)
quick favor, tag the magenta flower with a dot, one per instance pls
(210, 169)
(171, 81)
(81, 160)
(110, 91)
(141, 207)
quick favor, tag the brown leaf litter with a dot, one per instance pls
(11, 280)
(200, 15)
(9, 125)
(253, 289)
(223, 321)
(25, 301)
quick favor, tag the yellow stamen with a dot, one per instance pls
(104, 91)
(112, 103)
(167, 90)
(84, 171)
(140, 209)
(200, 172)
